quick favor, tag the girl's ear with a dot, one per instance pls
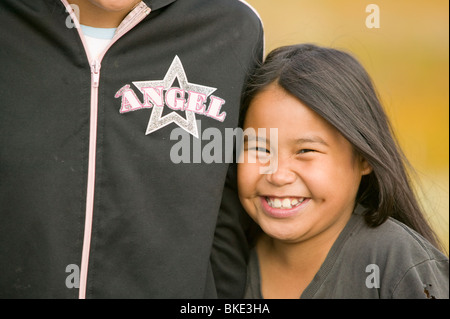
(366, 168)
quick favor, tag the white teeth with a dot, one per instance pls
(277, 203)
(284, 203)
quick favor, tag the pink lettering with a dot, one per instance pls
(214, 107)
(196, 102)
(130, 101)
(153, 96)
(174, 98)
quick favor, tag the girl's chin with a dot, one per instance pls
(282, 230)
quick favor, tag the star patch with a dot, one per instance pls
(174, 98)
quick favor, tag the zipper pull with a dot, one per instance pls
(95, 73)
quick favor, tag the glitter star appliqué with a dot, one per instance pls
(157, 121)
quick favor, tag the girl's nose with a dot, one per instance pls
(281, 175)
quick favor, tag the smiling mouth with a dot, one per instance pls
(284, 202)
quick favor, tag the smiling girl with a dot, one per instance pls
(338, 215)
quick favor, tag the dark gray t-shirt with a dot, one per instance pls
(389, 261)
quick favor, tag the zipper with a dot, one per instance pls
(95, 74)
(89, 216)
(130, 21)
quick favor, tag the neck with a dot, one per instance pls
(304, 253)
(99, 17)
(303, 257)
(287, 268)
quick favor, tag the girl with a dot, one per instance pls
(338, 213)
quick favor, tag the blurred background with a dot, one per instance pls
(407, 55)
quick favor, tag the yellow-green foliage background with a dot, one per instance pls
(408, 59)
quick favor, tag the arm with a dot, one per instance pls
(230, 249)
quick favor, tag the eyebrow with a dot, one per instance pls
(311, 139)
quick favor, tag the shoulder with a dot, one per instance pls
(393, 240)
(239, 12)
(407, 262)
(241, 22)
(239, 7)
(395, 236)
(236, 15)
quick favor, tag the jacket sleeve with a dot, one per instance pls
(230, 249)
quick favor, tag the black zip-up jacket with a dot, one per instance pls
(97, 197)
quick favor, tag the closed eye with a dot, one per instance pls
(305, 150)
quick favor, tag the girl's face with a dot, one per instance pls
(313, 189)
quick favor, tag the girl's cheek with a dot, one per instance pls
(242, 179)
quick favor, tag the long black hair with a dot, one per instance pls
(336, 86)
